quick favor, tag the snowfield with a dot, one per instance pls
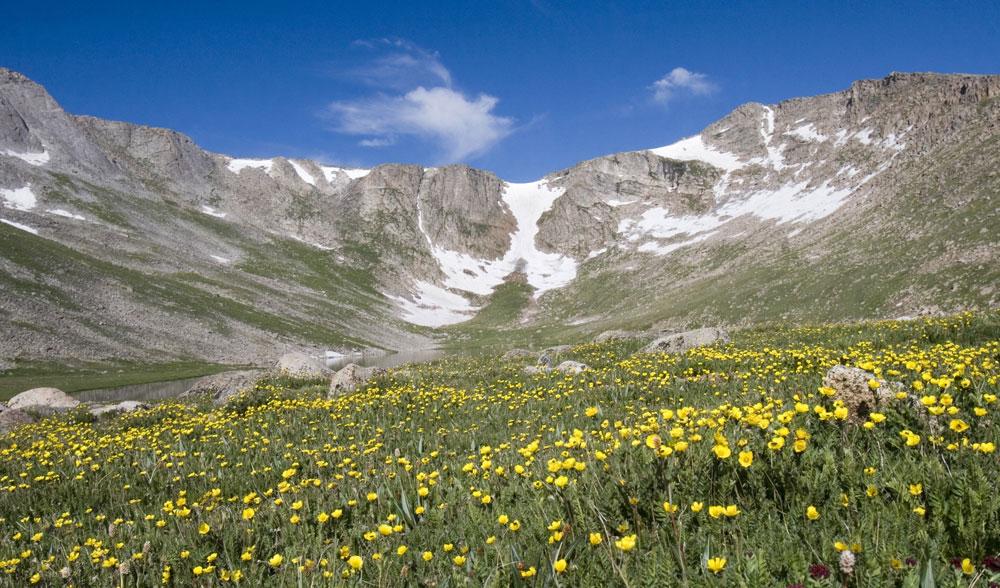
(545, 271)
(19, 199)
(695, 149)
(31, 230)
(433, 306)
(30, 158)
(238, 165)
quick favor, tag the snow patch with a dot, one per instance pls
(238, 165)
(790, 203)
(545, 271)
(774, 157)
(654, 247)
(30, 158)
(316, 245)
(434, 306)
(616, 203)
(19, 226)
(848, 170)
(841, 138)
(19, 198)
(807, 132)
(795, 202)
(660, 224)
(65, 213)
(352, 173)
(864, 136)
(892, 141)
(303, 173)
(695, 149)
(356, 173)
(221, 259)
(212, 212)
(597, 253)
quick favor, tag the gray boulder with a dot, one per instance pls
(44, 399)
(534, 370)
(851, 386)
(120, 408)
(572, 367)
(615, 335)
(224, 386)
(300, 365)
(517, 354)
(11, 418)
(557, 350)
(681, 342)
(350, 377)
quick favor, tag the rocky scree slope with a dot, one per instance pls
(124, 241)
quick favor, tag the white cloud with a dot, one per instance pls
(417, 98)
(404, 66)
(681, 80)
(461, 126)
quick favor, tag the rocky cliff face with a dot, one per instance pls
(120, 240)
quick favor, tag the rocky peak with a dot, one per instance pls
(462, 210)
(151, 152)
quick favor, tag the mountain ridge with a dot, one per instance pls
(292, 253)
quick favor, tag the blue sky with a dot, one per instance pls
(518, 87)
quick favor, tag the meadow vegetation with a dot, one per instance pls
(729, 465)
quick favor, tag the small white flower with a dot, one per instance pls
(847, 561)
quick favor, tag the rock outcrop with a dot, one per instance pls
(615, 335)
(122, 407)
(43, 400)
(221, 387)
(515, 354)
(860, 391)
(350, 377)
(11, 418)
(300, 365)
(681, 342)
(572, 367)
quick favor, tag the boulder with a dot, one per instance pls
(681, 342)
(11, 418)
(557, 350)
(300, 365)
(225, 385)
(850, 386)
(615, 335)
(572, 367)
(350, 377)
(45, 399)
(517, 354)
(120, 408)
(549, 355)
(534, 370)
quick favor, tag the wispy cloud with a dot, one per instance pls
(401, 65)
(680, 81)
(417, 98)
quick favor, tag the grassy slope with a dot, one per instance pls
(94, 376)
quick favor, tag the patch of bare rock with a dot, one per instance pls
(350, 377)
(681, 342)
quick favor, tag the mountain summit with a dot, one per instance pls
(125, 241)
